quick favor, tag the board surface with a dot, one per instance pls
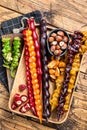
(21, 79)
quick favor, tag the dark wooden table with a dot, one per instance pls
(68, 14)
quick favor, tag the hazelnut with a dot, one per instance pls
(60, 51)
(54, 43)
(61, 33)
(51, 39)
(56, 52)
(53, 35)
(57, 47)
(64, 46)
(61, 43)
(52, 48)
(65, 39)
(58, 38)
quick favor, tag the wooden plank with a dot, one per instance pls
(68, 15)
(22, 122)
(6, 14)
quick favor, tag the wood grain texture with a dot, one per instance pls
(6, 14)
(70, 14)
(67, 14)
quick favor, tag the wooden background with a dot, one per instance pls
(70, 15)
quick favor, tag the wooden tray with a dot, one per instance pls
(21, 79)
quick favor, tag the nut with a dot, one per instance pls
(54, 43)
(61, 43)
(61, 33)
(53, 48)
(53, 35)
(59, 38)
(24, 98)
(51, 39)
(64, 46)
(65, 39)
(56, 52)
(57, 47)
(60, 51)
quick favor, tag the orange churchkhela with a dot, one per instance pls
(28, 38)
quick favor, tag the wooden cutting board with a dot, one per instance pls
(21, 79)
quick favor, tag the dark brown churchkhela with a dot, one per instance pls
(45, 76)
(72, 50)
